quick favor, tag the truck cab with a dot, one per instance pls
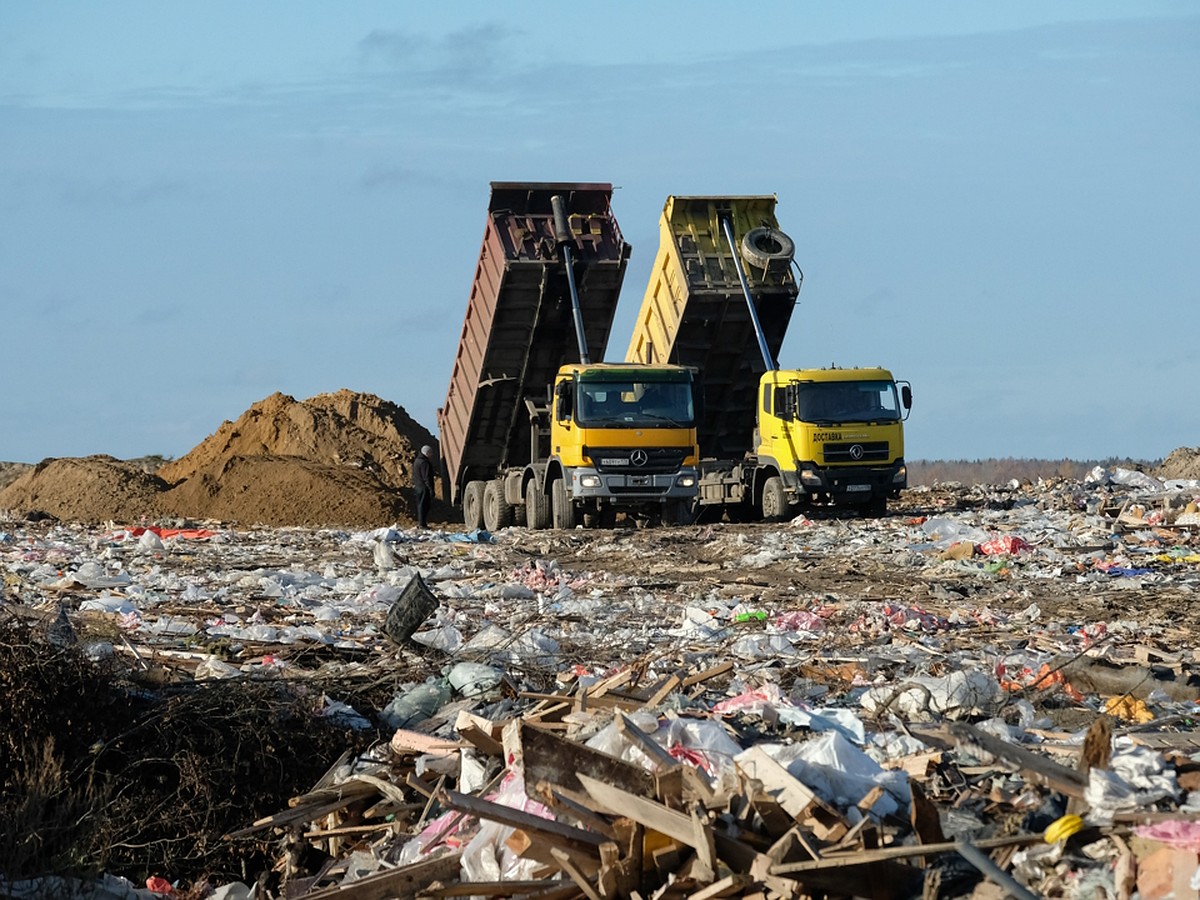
(622, 436)
(831, 435)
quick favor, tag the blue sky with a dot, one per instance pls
(202, 204)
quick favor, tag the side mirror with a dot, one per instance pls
(906, 395)
(792, 402)
(562, 398)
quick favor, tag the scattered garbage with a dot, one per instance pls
(988, 685)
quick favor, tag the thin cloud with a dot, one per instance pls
(462, 56)
(120, 193)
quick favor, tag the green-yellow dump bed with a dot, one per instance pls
(694, 311)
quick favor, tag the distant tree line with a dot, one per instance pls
(1002, 471)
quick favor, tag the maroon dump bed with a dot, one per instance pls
(519, 327)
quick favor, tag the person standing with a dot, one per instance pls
(423, 484)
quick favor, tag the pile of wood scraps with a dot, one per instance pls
(531, 807)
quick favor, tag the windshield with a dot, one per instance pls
(629, 404)
(848, 401)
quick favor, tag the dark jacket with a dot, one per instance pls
(423, 474)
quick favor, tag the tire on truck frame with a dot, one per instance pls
(537, 507)
(774, 500)
(473, 504)
(562, 509)
(497, 513)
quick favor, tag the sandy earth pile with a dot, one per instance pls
(1183, 463)
(334, 459)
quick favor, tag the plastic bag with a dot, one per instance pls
(417, 704)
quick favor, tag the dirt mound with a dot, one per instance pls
(341, 429)
(281, 490)
(334, 459)
(85, 489)
(1182, 463)
(11, 471)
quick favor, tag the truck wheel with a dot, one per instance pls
(561, 508)
(537, 510)
(876, 507)
(774, 500)
(473, 505)
(763, 246)
(497, 513)
(677, 512)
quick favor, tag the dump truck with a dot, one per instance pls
(720, 298)
(533, 431)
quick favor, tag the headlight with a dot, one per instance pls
(589, 481)
(901, 475)
(809, 478)
(686, 481)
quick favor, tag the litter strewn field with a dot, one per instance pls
(991, 689)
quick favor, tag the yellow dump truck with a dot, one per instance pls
(720, 298)
(532, 431)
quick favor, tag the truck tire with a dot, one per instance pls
(473, 505)
(497, 513)
(678, 512)
(774, 500)
(561, 508)
(876, 507)
(537, 510)
(763, 246)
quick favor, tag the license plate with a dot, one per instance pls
(857, 488)
(614, 462)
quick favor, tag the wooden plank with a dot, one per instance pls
(674, 824)
(726, 887)
(480, 732)
(556, 760)
(866, 857)
(573, 871)
(405, 881)
(492, 888)
(669, 687)
(292, 816)
(1032, 765)
(797, 798)
(707, 674)
(648, 745)
(555, 832)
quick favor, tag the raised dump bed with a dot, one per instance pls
(519, 327)
(694, 311)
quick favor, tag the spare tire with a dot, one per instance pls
(763, 246)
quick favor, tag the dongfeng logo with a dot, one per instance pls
(856, 452)
(641, 457)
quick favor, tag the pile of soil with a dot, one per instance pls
(85, 489)
(1182, 463)
(335, 459)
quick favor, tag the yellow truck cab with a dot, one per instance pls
(621, 434)
(831, 435)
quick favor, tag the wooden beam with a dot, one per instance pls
(1032, 765)
(572, 870)
(406, 881)
(556, 760)
(555, 832)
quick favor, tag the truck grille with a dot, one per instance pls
(869, 451)
(629, 461)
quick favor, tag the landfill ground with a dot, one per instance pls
(713, 710)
